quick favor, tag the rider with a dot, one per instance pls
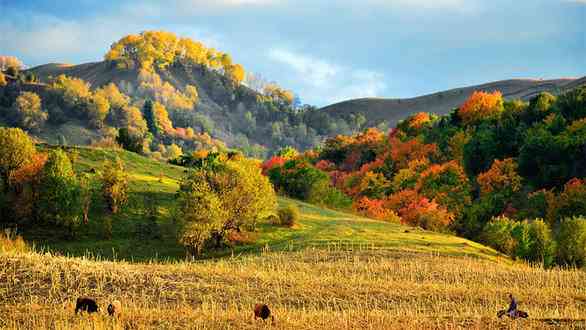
(512, 306)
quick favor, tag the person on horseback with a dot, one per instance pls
(512, 311)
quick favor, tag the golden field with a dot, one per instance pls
(308, 289)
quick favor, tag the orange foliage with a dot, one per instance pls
(403, 152)
(501, 175)
(272, 162)
(446, 183)
(374, 208)
(418, 120)
(401, 199)
(426, 214)
(480, 106)
(325, 165)
(30, 172)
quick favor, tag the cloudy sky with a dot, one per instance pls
(325, 50)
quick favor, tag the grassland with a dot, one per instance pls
(156, 181)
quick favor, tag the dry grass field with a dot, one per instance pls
(309, 289)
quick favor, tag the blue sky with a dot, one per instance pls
(325, 51)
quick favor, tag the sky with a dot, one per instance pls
(326, 51)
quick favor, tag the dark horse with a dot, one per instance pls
(518, 314)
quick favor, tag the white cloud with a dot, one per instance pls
(322, 82)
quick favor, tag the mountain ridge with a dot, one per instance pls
(442, 102)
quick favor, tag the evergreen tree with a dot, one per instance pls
(151, 119)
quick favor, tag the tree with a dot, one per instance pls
(96, 110)
(151, 119)
(114, 185)
(3, 81)
(192, 94)
(447, 184)
(573, 103)
(571, 240)
(481, 106)
(28, 109)
(16, 150)
(173, 151)
(8, 62)
(223, 196)
(129, 141)
(502, 177)
(60, 202)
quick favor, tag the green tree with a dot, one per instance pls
(571, 240)
(129, 141)
(114, 185)
(16, 150)
(60, 201)
(216, 198)
(151, 119)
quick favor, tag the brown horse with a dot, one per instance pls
(517, 315)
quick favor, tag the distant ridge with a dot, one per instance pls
(377, 110)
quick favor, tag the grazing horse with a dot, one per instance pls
(262, 311)
(85, 304)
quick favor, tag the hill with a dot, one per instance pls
(157, 182)
(377, 110)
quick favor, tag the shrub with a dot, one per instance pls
(114, 185)
(542, 243)
(571, 240)
(498, 234)
(289, 216)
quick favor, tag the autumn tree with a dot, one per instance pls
(7, 62)
(28, 110)
(447, 184)
(16, 150)
(3, 81)
(222, 196)
(481, 106)
(173, 151)
(114, 185)
(502, 177)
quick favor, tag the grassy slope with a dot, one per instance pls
(317, 227)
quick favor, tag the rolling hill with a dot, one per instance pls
(318, 227)
(377, 110)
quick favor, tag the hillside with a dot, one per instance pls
(318, 227)
(392, 110)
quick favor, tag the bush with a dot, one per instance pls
(289, 216)
(571, 240)
(498, 234)
(542, 243)
(115, 185)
